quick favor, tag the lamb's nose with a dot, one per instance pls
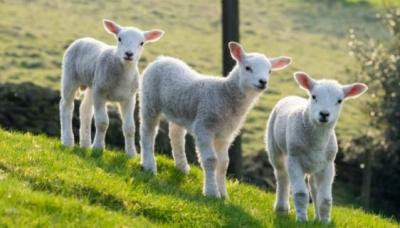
(128, 54)
(324, 114)
(262, 82)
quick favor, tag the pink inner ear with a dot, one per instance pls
(152, 35)
(355, 90)
(111, 27)
(236, 52)
(303, 80)
(280, 63)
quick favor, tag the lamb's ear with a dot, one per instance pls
(111, 26)
(354, 90)
(153, 35)
(281, 62)
(304, 80)
(237, 51)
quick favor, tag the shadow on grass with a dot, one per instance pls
(286, 221)
(170, 184)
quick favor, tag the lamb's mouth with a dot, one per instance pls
(261, 87)
(128, 58)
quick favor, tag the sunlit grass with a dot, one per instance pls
(43, 184)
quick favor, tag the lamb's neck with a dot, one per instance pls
(317, 135)
(244, 98)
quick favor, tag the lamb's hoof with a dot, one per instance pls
(225, 196)
(131, 153)
(325, 220)
(151, 169)
(281, 210)
(301, 218)
(184, 169)
(68, 143)
(212, 193)
(84, 146)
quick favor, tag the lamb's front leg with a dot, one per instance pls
(128, 125)
(101, 121)
(324, 181)
(299, 188)
(208, 161)
(221, 148)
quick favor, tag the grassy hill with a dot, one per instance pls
(43, 184)
(34, 34)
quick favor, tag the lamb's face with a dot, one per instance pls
(131, 40)
(254, 71)
(130, 44)
(255, 68)
(325, 102)
(326, 97)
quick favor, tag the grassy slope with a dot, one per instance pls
(33, 35)
(44, 184)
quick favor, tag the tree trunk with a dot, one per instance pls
(230, 32)
(366, 182)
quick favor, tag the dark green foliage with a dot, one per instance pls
(29, 107)
(380, 67)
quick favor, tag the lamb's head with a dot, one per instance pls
(326, 97)
(255, 68)
(131, 40)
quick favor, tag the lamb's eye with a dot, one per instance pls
(141, 43)
(119, 39)
(270, 71)
(314, 97)
(339, 101)
(249, 69)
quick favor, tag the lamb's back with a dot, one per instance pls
(82, 57)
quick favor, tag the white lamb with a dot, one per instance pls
(212, 109)
(301, 142)
(109, 73)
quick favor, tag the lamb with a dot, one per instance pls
(105, 73)
(301, 142)
(212, 109)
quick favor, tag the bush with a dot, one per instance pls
(379, 63)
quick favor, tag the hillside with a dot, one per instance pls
(43, 184)
(34, 34)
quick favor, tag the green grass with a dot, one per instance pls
(43, 184)
(33, 35)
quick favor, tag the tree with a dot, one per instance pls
(230, 32)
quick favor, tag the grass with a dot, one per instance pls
(34, 34)
(43, 184)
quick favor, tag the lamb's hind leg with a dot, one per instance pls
(128, 125)
(148, 130)
(101, 120)
(221, 148)
(177, 138)
(68, 89)
(279, 162)
(208, 160)
(85, 116)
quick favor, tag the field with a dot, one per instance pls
(34, 34)
(43, 184)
